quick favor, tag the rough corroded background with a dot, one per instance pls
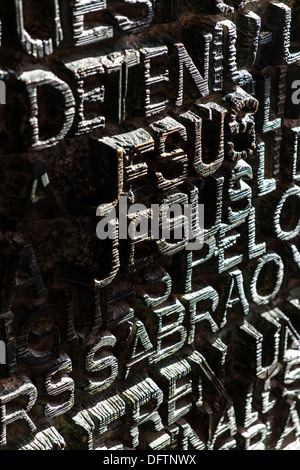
(146, 344)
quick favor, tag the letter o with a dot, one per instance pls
(262, 261)
(280, 232)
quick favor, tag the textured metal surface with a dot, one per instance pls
(146, 342)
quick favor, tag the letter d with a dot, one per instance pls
(40, 78)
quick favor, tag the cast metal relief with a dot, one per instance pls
(114, 109)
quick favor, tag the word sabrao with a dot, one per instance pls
(180, 224)
(296, 93)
